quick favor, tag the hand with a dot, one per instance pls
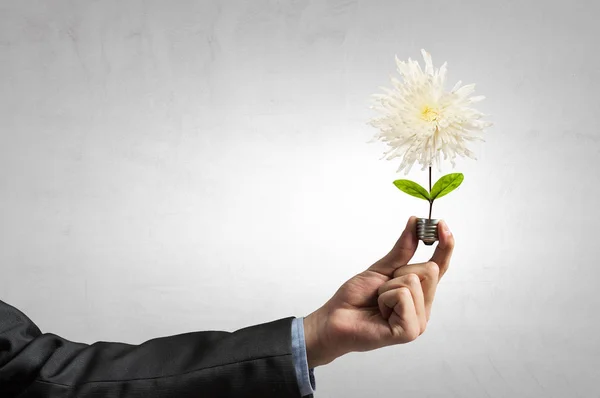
(389, 303)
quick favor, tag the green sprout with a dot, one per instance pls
(442, 187)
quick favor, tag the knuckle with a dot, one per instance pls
(413, 279)
(432, 269)
(403, 293)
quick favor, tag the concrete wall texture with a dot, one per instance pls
(187, 165)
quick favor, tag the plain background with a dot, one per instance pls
(188, 165)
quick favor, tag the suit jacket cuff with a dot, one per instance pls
(304, 375)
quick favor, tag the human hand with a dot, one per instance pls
(389, 303)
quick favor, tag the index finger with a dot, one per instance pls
(402, 251)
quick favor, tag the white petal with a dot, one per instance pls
(428, 62)
(477, 98)
(465, 91)
(442, 74)
(456, 86)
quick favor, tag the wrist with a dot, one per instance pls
(318, 350)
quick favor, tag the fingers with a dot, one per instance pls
(391, 291)
(402, 319)
(406, 245)
(402, 251)
(443, 251)
(428, 274)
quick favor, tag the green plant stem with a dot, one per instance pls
(429, 179)
(430, 200)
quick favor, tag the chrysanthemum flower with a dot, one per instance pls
(421, 120)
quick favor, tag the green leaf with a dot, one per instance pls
(446, 184)
(412, 188)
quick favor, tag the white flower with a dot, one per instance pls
(421, 120)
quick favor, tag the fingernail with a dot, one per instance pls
(445, 229)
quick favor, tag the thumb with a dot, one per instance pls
(402, 251)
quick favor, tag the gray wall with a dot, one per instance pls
(188, 165)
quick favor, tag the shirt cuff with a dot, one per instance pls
(304, 376)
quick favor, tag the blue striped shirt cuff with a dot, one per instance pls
(304, 376)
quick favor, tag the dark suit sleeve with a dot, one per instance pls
(251, 362)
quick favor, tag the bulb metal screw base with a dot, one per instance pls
(427, 230)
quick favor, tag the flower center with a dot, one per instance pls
(429, 114)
